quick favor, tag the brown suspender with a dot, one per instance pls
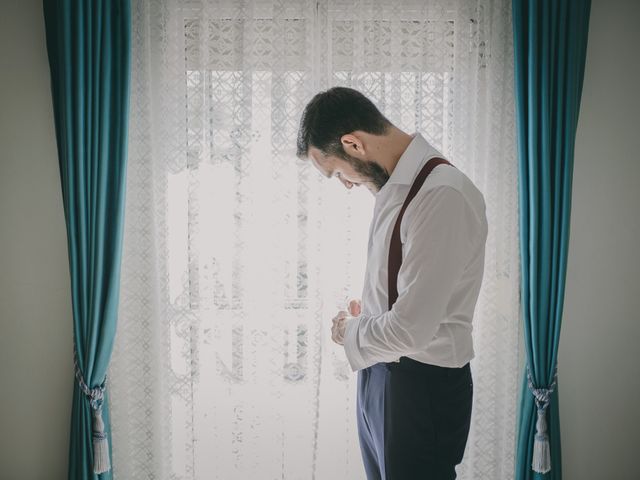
(395, 248)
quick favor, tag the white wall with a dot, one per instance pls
(36, 366)
(600, 377)
(599, 368)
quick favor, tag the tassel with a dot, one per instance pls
(541, 461)
(101, 461)
(95, 396)
(541, 453)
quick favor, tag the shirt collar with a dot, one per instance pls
(410, 161)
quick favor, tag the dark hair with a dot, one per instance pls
(333, 113)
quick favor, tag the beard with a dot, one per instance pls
(371, 170)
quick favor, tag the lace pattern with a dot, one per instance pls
(236, 254)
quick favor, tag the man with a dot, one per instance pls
(414, 379)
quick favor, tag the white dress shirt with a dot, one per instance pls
(443, 235)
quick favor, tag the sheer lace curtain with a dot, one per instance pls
(237, 255)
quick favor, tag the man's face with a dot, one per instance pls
(351, 171)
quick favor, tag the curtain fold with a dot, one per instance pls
(550, 39)
(88, 45)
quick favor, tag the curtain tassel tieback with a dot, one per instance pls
(541, 462)
(95, 395)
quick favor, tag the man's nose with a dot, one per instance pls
(346, 183)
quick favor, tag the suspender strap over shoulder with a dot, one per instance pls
(395, 247)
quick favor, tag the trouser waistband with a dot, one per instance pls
(407, 363)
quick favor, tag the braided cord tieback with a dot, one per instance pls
(541, 452)
(95, 395)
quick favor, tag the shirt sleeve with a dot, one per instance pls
(441, 230)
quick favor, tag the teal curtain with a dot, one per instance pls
(89, 50)
(550, 39)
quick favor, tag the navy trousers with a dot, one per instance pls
(413, 419)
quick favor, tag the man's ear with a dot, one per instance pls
(352, 145)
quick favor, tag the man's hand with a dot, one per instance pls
(341, 319)
(338, 328)
(355, 307)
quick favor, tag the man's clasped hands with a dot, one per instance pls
(341, 319)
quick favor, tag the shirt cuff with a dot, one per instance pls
(350, 343)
